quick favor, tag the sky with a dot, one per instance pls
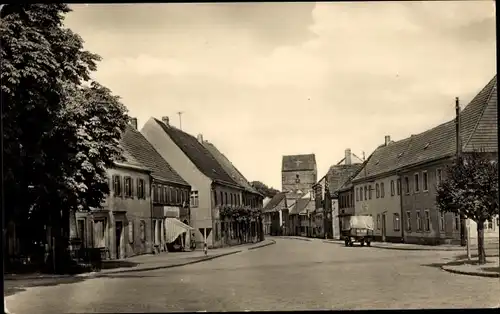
(263, 80)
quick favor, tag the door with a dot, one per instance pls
(384, 231)
(81, 231)
(118, 234)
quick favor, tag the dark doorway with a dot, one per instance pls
(118, 234)
(81, 231)
(384, 231)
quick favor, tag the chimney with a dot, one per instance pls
(347, 156)
(166, 120)
(200, 138)
(133, 122)
(387, 140)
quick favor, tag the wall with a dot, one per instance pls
(389, 204)
(307, 180)
(136, 210)
(201, 216)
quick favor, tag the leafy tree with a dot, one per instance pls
(58, 136)
(471, 189)
(264, 189)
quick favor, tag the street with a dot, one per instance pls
(290, 275)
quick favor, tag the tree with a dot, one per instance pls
(264, 189)
(58, 136)
(471, 189)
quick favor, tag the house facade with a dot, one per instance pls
(210, 185)
(122, 226)
(272, 213)
(377, 190)
(298, 172)
(425, 163)
(170, 193)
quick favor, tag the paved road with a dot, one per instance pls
(290, 275)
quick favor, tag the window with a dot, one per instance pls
(392, 188)
(377, 190)
(239, 200)
(142, 229)
(489, 224)
(439, 176)
(131, 231)
(427, 220)
(232, 199)
(176, 196)
(456, 222)
(370, 191)
(141, 189)
(378, 222)
(366, 193)
(408, 221)
(417, 182)
(215, 198)
(155, 193)
(221, 198)
(117, 186)
(357, 194)
(398, 186)
(396, 222)
(194, 199)
(161, 193)
(128, 186)
(382, 190)
(442, 221)
(498, 222)
(407, 185)
(425, 186)
(99, 227)
(419, 221)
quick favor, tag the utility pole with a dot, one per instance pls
(464, 233)
(180, 119)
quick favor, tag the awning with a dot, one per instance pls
(174, 228)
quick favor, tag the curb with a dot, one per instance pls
(333, 242)
(418, 249)
(470, 273)
(99, 274)
(263, 245)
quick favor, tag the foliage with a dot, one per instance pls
(58, 135)
(264, 189)
(471, 189)
(239, 213)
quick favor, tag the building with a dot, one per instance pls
(170, 192)
(335, 178)
(298, 172)
(345, 203)
(211, 185)
(377, 190)
(423, 167)
(273, 214)
(122, 227)
(300, 217)
(250, 196)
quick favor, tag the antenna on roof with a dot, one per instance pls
(180, 119)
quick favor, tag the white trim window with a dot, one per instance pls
(408, 221)
(382, 190)
(456, 222)
(392, 188)
(425, 181)
(419, 221)
(427, 214)
(396, 222)
(378, 222)
(442, 221)
(194, 200)
(416, 182)
(439, 176)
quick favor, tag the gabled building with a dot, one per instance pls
(423, 168)
(273, 214)
(345, 202)
(377, 190)
(300, 219)
(170, 192)
(211, 185)
(298, 172)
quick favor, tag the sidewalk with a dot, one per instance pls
(490, 269)
(493, 247)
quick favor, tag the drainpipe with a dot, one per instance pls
(402, 217)
(151, 213)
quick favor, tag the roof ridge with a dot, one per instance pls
(490, 94)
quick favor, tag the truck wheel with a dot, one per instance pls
(362, 243)
(368, 243)
(351, 243)
(346, 243)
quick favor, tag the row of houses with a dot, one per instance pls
(396, 184)
(169, 187)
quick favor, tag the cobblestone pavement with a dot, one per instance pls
(290, 275)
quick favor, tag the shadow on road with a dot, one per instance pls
(112, 264)
(495, 269)
(15, 286)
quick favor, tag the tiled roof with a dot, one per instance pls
(275, 201)
(384, 159)
(348, 184)
(338, 174)
(302, 206)
(298, 162)
(478, 130)
(198, 154)
(143, 151)
(228, 166)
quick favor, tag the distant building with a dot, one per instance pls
(298, 173)
(273, 214)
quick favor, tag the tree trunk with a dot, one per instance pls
(480, 243)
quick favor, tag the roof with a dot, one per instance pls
(478, 130)
(144, 152)
(337, 175)
(275, 201)
(229, 167)
(198, 154)
(384, 159)
(295, 194)
(302, 206)
(348, 184)
(299, 162)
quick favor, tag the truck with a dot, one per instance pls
(357, 228)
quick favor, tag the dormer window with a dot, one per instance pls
(426, 145)
(376, 163)
(297, 178)
(400, 154)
